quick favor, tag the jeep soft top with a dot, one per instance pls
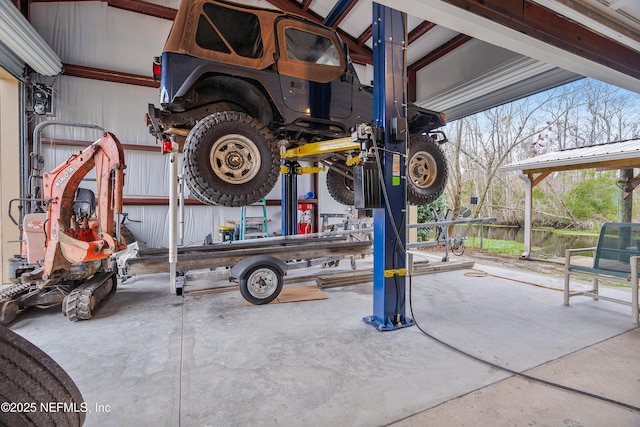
(236, 79)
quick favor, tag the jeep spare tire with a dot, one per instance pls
(230, 159)
(340, 187)
(426, 170)
(427, 173)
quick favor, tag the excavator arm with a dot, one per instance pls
(71, 240)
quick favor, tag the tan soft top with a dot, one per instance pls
(182, 38)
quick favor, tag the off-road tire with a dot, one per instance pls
(426, 170)
(29, 378)
(340, 187)
(244, 152)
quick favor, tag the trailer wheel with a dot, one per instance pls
(261, 285)
(231, 159)
(427, 170)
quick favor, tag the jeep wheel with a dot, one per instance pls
(340, 187)
(427, 171)
(230, 159)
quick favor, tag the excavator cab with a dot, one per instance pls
(84, 203)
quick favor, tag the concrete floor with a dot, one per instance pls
(152, 359)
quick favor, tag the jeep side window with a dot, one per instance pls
(223, 29)
(309, 47)
(208, 38)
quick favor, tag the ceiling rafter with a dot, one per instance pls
(366, 35)
(415, 34)
(145, 8)
(85, 72)
(339, 12)
(439, 52)
(423, 28)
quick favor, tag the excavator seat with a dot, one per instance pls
(84, 204)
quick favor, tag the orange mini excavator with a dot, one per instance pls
(66, 249)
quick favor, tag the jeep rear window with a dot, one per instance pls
(309, 47)
(241, 30)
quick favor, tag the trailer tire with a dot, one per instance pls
(261, 285)
(231, 159)
(29, 378)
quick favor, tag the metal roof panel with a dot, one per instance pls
(564, 159)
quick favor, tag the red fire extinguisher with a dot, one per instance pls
(304, 224)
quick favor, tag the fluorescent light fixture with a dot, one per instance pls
(17, 34)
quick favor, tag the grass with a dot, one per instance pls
(568, 232)
(515, 249)
(502, 247)
(557, 232)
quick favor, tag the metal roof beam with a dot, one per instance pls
(82, 71)
(338, 13)
(423, 28)
(366, 35)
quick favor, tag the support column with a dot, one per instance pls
(175, 283)
(390, 232)
(289, 201)
(528, 191)
(11, 137)
(625, 204)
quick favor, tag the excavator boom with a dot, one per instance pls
(71, 241)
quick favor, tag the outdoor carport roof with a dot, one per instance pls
(613, 155)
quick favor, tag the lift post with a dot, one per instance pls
(289, 201)
(175, 281)
(390, 232)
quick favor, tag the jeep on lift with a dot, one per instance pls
(236, 81)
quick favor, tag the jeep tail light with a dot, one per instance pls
(157, 69)
(166, 147)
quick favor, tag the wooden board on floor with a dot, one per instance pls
(297, 293)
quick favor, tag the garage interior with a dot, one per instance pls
(205, 358)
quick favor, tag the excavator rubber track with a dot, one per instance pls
(9, 308)
(83, 300)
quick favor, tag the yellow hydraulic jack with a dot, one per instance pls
(314, 152)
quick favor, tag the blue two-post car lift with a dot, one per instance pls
(390, 219)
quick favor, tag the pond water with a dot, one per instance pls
(551, 245)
